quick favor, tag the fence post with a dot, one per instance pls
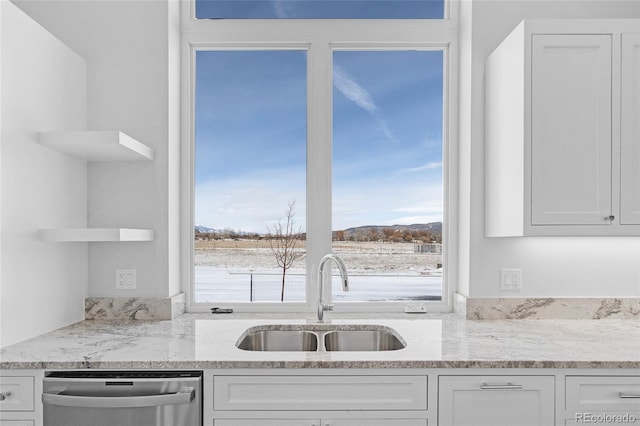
(251, 288)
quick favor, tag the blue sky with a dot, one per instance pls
(387, 138)
(251, 137)
(371, 9)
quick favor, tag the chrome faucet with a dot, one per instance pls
(345, 282)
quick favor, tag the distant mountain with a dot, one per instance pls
(204, 229)
(435, 227)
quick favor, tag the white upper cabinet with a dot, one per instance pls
(630, 132)
(562, 130)
(570, 129)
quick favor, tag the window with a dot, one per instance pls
(250, 155)
(319, 9)
(387, 173)
(325, 124)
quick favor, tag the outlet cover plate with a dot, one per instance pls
(511, 279)
(125, 279)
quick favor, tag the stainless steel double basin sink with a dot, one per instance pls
(320, 337)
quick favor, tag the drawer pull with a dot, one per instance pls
(503, 386)
(627, 395)
(4, 395)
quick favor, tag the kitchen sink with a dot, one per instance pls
(320, 337)
(362, 340)
(279, 340)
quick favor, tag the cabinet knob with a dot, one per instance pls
(4, 395)
(610, 218)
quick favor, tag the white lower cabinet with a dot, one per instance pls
(601, 419)
(375, 422)
(602, 400)
(19, 403)
(319, 398)
(270, 422)
(319, 422)
(320, 392)
(496, 400)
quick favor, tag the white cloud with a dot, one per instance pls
(411, 220)
(386, 202)
(429, 166)
(253, 203)
(249, 203)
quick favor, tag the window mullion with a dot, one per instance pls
(319, 131)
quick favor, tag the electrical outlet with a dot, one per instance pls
(126, 279)
(511, 279)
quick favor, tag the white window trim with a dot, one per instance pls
(313, 36)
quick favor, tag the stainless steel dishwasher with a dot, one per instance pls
(122, 398)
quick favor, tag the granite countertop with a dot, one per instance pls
(203, 341)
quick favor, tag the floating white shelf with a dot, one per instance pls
(96, 234)
(97, 145)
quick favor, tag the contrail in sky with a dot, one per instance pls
(361, 97)
(353, 91)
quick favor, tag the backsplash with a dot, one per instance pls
(135, 308)
(546, 308)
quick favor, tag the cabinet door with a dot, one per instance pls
(266, 422)
(254, 393)
(604, 419)
(21, 395)
(375, 422)
(630, 131)
(326, 422)
(570, 129)
(603, 394)
(496, 401)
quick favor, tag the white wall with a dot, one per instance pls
(131, 49)
(43, 83)
(131, 53)
(560, 267)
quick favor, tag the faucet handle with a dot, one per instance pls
(321, 308)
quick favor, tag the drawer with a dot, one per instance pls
(21, 397)
(496, 400)
(609, 419)
(16, 422)
(294, 393)
(326, 422)
(266, 422)
(374, 422)
(602, 393)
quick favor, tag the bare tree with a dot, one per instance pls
(283, 241)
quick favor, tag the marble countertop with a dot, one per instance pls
(203, 341)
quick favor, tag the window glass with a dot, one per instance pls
(250, 162)
(388, 173)
(320, 9)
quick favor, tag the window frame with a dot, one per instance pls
(320, 38)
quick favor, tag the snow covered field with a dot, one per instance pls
(242, 271)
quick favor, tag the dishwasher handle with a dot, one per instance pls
(184, 396)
